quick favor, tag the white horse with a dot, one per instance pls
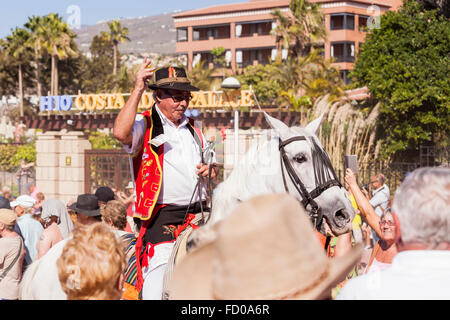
(260, 172)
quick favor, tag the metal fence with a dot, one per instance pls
(18, 181)
(394, 172)
(106, 168)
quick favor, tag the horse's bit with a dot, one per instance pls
(323, 179)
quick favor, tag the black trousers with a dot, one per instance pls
(166, 220)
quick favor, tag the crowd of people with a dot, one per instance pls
(31, 227)
(95, 256)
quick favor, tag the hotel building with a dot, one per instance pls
(243, 29)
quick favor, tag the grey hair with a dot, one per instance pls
(422, 204)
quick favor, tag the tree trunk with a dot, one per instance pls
(115, 59)
(21, 89)
(56, 77)
(52, 77)
(38, 75)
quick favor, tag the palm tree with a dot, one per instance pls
(117, 34)
(304, 79)
(58, 42)
(304, 25)
(201, 76)
(281, 32)
(35, 25)
(16, 47)
(324, 79)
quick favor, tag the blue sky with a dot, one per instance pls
(14, 13)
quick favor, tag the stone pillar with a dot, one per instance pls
(60, 164)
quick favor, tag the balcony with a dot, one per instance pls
(211, 33)
(249, 57)
(362, 23)
(343, 51)
(342, 21)
(253, 29)
(345, 76)
(182, 34)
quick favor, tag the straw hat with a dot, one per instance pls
(8, 217)
(172, 78)
(266, 249)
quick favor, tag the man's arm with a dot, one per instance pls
(123, 124)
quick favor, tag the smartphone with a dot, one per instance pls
(351, 161)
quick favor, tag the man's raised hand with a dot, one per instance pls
(144, 75)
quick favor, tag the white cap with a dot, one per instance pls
(24, 201)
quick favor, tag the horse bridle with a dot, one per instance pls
(323, 179)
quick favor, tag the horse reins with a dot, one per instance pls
(316, 214)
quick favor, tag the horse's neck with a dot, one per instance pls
(258, 172)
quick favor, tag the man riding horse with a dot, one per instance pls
(166, 150)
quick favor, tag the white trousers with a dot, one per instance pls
(154, 274)
(153, 283)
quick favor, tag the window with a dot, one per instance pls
(182, 34)
(345, 76)
(215, 32)
(343, 51)
(249, 29)
(205, 56)
(249, 56)
(339, 21)
(319, 47)
(362, 23)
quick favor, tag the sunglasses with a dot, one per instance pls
(389, 223)
(179, 97)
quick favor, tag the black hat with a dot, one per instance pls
(172, 78)
(104, 194)
(86, 204)
(4, 203)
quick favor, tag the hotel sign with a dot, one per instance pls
(100, 102)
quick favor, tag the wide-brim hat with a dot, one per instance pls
(8, 217)
(173, 78)
(86, 204)
(266, 249)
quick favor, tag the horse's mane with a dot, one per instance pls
(248, 178)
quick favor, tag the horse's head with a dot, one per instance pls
(309, 176)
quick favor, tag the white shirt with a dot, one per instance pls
(380, 199)
(42, 276)
(181, 157)
(413, 275)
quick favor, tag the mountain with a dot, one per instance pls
(154, 34)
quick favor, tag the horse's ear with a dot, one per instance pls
(276, 124)
(314, 126)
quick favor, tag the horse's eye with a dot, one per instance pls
(300, 158)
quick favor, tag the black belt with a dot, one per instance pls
(166, 220)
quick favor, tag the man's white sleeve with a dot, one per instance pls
(138, 134)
